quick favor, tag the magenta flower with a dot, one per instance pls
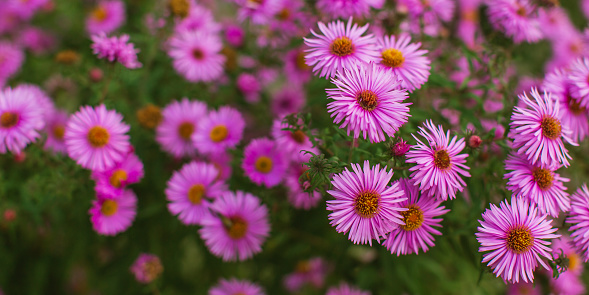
(365, 206)
(264, 162)
(567, 283)
(96, 138)
(249, 86)
(112, 215)
(116, 49)
(340, 46)
(11, 60)
(522, 288)
(419, 221)
(21, 119)
(438, 163)
(345, 289)
(405, 59)
(180, 120)
(537, 131)
(55, 130)
(516, 236)
(579, 220)
(197, 55)
(291, 142)
(234, 35)
(345, 8)
(564, 246)
(221, 161)
(295, 68)
(516, 18)
(106, 17)
(234, 287)
(296, 194)
(579, 79)
(146, 268)
(191, 190)
(541, 186)
(36, 40)
(219, 131)
(427, 16)
(25, 10)
(237, 227)
(259, 12)
(368, 101)
(312, 272)
(112, 182)
(290, 99)
(199, 18)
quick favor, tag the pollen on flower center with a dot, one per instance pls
(118, 177)
(58, 131)
(574, 260)
(195, 194)
(413, 218)
(109, 207)
(238, 228)
(300, 61)
(185, 130)
(367, 100)
(543, 177)
(197, 53)
(367, 204)
(342, 46)
(99, 13)
(152, 269)
(521, 11)
(98, 136)
(8, 119)
(264, 164)
(392, 58)
(575, 106)
(298, 136)
(551, 128)
(219, 133)
(519, 239)
(442, 159)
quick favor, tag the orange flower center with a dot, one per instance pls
(185, 130)
(264, 164)
(118, 177)
(99, 13)
(442, 159)
(300, 61)
(551, 128)
(392, 58)
(98, 136)
(197, 54)
(238, 228)
(519, 239)
(8, 119)
(219, 133)
(342, 46)
(575, 106)
(543, 177)
(109, 208)
(195, 194)
(413, 218)
(298, 136)
(367, 100)
(367, 204)
(58, 132)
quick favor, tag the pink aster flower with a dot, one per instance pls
(340, 46)
(116, 49)
(368, 101)
(198, 19)
(522, 288)
(43, 101)
(264, 162)
(295, 68)
(36, 40)
(296, 194)
(288, 100)
(419, 221)
(439, 164)
(404, 59)
(106, 17)
(579, 220)
(55, 129)
(312, 271)
(26, 9)
(344, 8)
(259, 12)
(197, 55)
(180, 120)
(542, 186)
(235, 286)
(567, 284)
(21, 119)
(564, 247)
(221, 161)
(429, 14)
(96, 138)
(237, 227)
(345, 289)
(234, 35)
(516, 18)
(579, 79)
(537, 130)
(364, 205)
(291, 142)
(112, 215)
(191, 191)
(112, 182)
(249, 86)
(219, 131)
(146, 268)
(517, 237)
(11, 60)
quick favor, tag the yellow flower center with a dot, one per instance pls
(367, 204)
(219, 133)
(413, 218)
(118, 177)
(543, 177)
(392, 58)
(179, 7)
(109, 207)
(367, 100)
(264, 164)
(99, 13)
(8, 119)
(574, 261)
(519, 239)
(195, 194)
(185, 130)
(98, 136)
(58, 131)
(67, 57)
(342, 46)
(442, 159)
(149, 116)
(551, 128)
(238, 228)
(300, 61)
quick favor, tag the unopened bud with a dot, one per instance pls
(95, 74)
(474, 141)
(400, 148)
(9, 215)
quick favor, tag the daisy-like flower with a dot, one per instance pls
(579, 79)
(106, 17)
(579, 220)
(21, 119)
(340, 46)
(439, 164)
(221, 161)
(404, 59)
(291, 142)
(537, 131)
(116, 49)
(260, 12)
(345, 289)
(365, 206)
(312, 271)
(198, 19)
(219, 131)
(96, 138)
(296, 191)
(55, 129)
(517, 237)
(237, 227)
(191, 190)
(147, 268)
(430, 13)
(567, 284)
(295, 68)
(290, 99)
(180, 121)
(420, 220)
(515, 18)
(368, 101)
(522, 288)
(542, 186)
(112, 182)
(234, 286)
(344, 8)
(11, 59)
(111, 216)
(564, 247)
(575, 116)
(264, 162)
(249, 86)
(197, 55)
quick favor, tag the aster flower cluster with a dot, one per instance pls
(116, 49)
